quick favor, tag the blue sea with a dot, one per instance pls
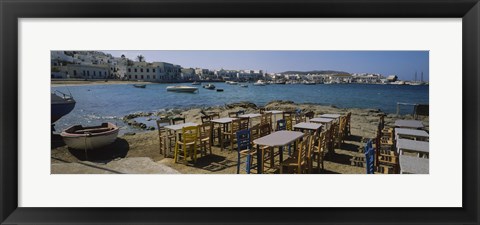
(102, 103)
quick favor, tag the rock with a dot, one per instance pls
(150, 128)
(130, 133)
(241, 104)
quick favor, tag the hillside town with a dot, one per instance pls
(96, 65)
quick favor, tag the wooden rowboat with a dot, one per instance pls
(80, 137)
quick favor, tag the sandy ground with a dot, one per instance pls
(146, 144)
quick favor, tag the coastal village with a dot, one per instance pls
(279, 137)
(96, 65)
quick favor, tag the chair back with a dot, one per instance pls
(281, 124)
(178, 120)
(243, 139)
(255, 131)
(322, 142)
(262, 110)
(266, 118)
(161, 123)
(189, 134)
(205, 130)
(288, 121)
(303, 149)
(206, 119)
(232, 114)
(310, 114)
(265, 129)
(214, 116)
(244, 123)
(300, 119)
(240, 112)
(370, 157)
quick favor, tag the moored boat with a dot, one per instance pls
(244, 85)
(196, 83)
(219, 90)
(140, 85)
(80, 137)
(181, 88)
(61, 105)
(209, 86)
(259, 83)
(309, 82)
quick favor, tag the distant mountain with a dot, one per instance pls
(315, 72)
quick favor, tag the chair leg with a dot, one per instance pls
(194, 153)
(238, 163)
(175, 154)
(185, 152)
(248, 163)
(210, 146)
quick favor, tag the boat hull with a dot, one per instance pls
(182, 89)
(60, 107)
(87, 140)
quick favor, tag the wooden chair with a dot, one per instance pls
(300, 119)
(319, 150)
(267, 152)
(298, 162)
(189, 139)
(347, 126)
(205, 137)
(164, 136)
(214, 116)
(333, 136)
(288, 121)
(232, 114)
(281, 125)
(240, 112)
(244, 148)
(255, 132)
(266, 118)
(340, 132)
(206, 119)
(236, 125)
(309, 115)
(262, 110)
(178, 120)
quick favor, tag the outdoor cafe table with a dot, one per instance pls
(414, 124)
(250, 116)
(307, 126)
(321, 120)
(419, 147)
(410, 133)
(274, 113)
(413, 165)
(331, 116)
(224, 124)
(276, 139)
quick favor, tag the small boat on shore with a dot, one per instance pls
(259, 83)
(80, 137)
(209, 86)
(196, 83)
(140, 85)
(181, 88)
(61, 105)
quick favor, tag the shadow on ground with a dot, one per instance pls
(117, 149)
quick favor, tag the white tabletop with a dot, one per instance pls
(274, 111)
(279, 138)
(250, 115)
(399, 132)
(414, 165)
(223, 120)
(334, 116)
(308, 126)
(321, 120)
(409, 124)
(178, 127)
(410, 145)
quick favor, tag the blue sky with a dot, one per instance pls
(404, 64)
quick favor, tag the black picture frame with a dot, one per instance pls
(11, 11)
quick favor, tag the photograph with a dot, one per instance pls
(239, 112)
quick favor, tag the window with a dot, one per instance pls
(141, 77)
(136, 76)
(148, 76)
(74, 73)
(154, 77)
(129, 70)
(88, 72)
(105, 73)
(135, 69)
(141, 70)
(94, 73)
(130, 76)
(83, 72)
(153, 70)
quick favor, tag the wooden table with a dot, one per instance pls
(419, 147)
(411, 134)
(322, 120)
(331, 116)
(413, 165)
(415, 124)
(223, 122)
(307, 126)
(276, 139)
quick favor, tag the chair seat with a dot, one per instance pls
(188, 143)
(291, 162)
(248, 152)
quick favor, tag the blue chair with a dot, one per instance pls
(240, 112)
(281, 125)
(244, 148)
(370, 157)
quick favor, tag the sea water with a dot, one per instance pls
(109, 103)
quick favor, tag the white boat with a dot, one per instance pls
(309, 82)
(196, 83)
(209, 86)
(259, 83)
(181, 88)
(79, 137)
(244, 85)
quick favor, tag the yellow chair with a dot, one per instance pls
(298, 162)
(189, 139)
(319, 150)
(205, 137)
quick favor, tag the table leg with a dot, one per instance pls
(259, 160)
(281, 153)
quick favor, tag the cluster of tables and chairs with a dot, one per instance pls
(258, 138)
(403, 148)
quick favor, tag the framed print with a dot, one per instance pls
(239, 112)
